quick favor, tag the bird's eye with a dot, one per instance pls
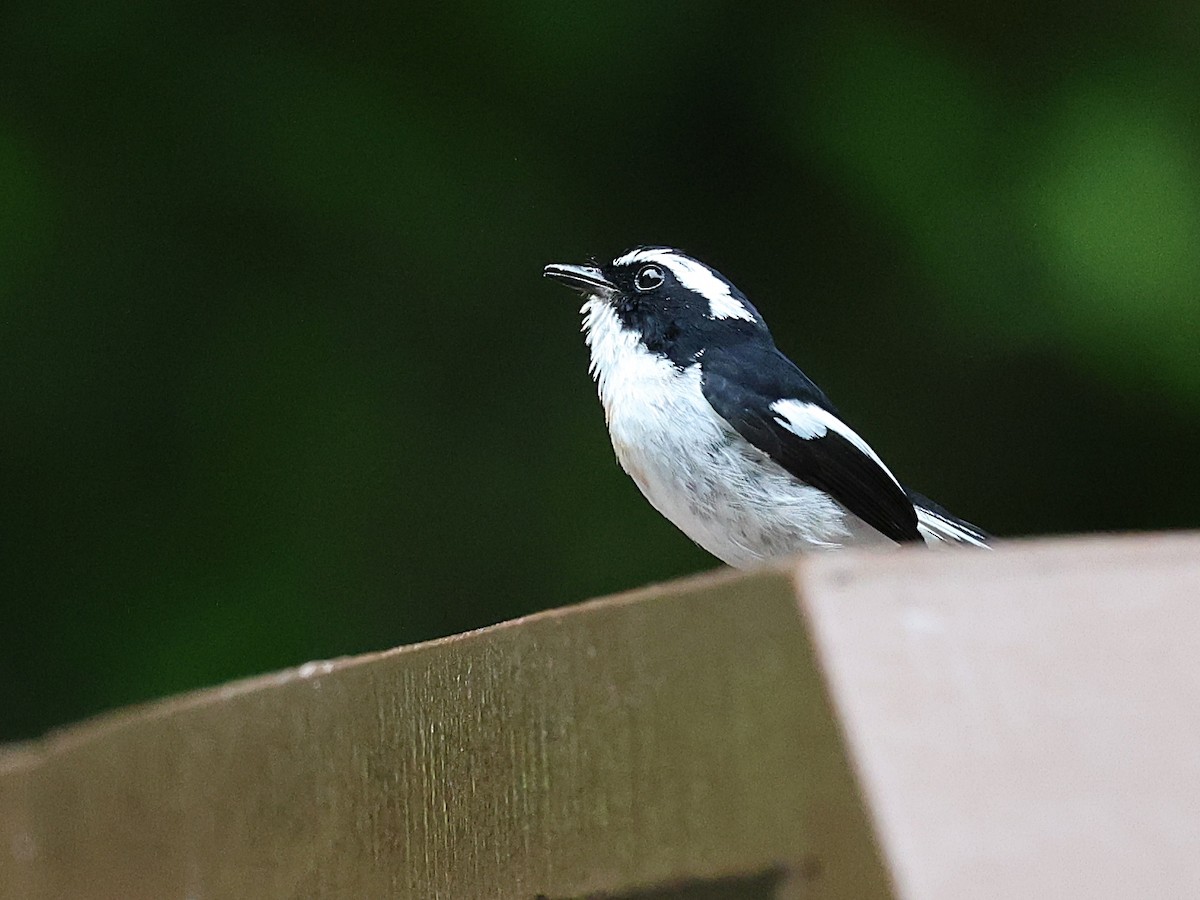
(648, 278)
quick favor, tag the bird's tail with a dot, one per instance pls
(938, 526)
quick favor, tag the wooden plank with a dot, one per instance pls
(1021, 723)
(676, 741)
(19, 866)
(1025, 723)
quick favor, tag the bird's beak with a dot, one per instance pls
(585, 279)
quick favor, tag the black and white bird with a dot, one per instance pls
(724, 435)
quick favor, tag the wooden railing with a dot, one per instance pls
(1021, 723)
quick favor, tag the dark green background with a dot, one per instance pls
(282, 380)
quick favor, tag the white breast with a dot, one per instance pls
(722, 492)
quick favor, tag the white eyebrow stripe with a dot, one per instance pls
(809, 421)
(631, 257)
(695, 277)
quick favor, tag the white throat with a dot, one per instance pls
(619, 360)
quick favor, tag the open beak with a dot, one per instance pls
(585, 279)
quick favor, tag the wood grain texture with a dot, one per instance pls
(665, 741)
(1025, 723)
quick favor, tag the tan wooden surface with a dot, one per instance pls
(1022, 723)
(1026, 723)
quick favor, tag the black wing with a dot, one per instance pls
(742, 389)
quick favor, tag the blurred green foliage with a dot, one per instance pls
(281, 379)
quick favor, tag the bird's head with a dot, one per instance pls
(672, 305)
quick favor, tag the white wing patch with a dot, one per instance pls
(694, 276)
(809, 421)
